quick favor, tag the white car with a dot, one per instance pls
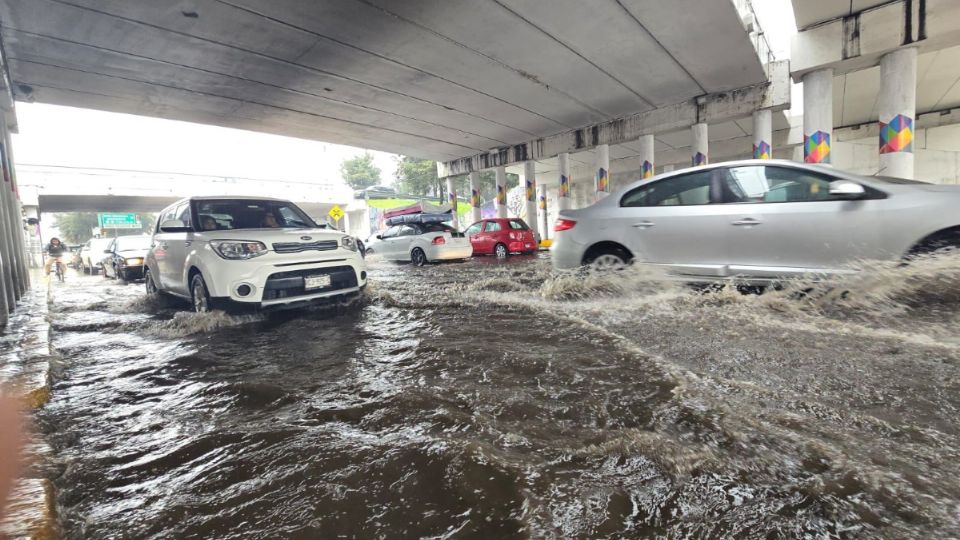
(93, 253)
(421, 243)
(257, 252)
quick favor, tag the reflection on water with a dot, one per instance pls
(496, 399)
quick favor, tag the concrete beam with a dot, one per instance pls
(712, 108)
(858, 41)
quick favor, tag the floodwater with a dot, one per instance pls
(496, 399)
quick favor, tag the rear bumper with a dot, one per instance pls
(520, 246)
(449, 252)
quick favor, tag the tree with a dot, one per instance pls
(76, 227)
(419, 177)
(360, 172)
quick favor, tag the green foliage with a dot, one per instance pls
(360, 172)
(75, 227)
(419, 177)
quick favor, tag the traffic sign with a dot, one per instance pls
(119, 221)
(336, 213)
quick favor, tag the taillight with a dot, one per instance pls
(439, 240)
(514, 235)
(564, 224)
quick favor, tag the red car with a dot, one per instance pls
(501, 236)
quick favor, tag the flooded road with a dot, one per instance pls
(496, 399)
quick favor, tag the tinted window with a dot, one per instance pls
(167, 215)
(250, 214)
(473, 229)
(436, 227)
(518, 224)
(391, 232)
(775, 184)
(183, 214)
(408, 230)
(688, 189)
(492, 226)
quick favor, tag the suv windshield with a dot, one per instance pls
(226, 214)
(133, 243)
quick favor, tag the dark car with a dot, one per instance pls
(124, 257)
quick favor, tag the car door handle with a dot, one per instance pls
(747, 221)
(644, 224)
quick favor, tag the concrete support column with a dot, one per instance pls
(602, 177)
(21, 246)
(897, 109)
(563, 202)
(530, 195)
(646, 156)
(452, 198)
(762, 134)
(501, 201)
(8, 272)
(700, 152)
(542, 214)
(817, 115)
(475, 196)
(798, 154)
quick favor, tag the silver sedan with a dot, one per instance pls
(760, 220)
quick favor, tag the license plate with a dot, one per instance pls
(316, 282)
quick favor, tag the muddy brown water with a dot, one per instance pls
(496, 399)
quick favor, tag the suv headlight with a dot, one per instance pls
(348, 243)
(238, 249)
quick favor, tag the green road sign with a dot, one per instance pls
(119, 221)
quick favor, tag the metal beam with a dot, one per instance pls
(719, 107)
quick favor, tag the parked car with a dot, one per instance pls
(420, 243)
(221, 252)
(501, 236)
(761, 220)
(92, 254)
(375, 192)
(125, 256)
(73, 259)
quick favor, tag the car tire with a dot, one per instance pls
(120, 276)
(500, 251)
(199, 295)
(83, 268)
(418, 257)
(606, 260)
(103, 270)
(149, 284)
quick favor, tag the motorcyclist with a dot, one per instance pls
(55, 251)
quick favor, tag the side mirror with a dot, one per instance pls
(173, 225)
(846, 190)
(379, 237)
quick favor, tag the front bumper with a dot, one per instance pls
(131, 273)
(274, 280)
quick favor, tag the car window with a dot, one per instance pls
(226, 214)
(492, 226)
(473, 229)
(183, 214)
(767, 184)
(518, 224)
(684, 190)
(391, 232)
(408, 230)
(436, 227)
(167, 215)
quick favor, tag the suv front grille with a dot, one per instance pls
(290, 284)
(297, 247)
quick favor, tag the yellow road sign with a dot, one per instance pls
(336, 213)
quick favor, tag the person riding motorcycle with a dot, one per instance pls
(55, 251)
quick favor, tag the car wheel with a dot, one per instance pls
(149, 284)
(199, 294)
(610, 260)
(500, 251)
(83, 268)
(418, 257)
(103, 270)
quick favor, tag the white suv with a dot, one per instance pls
(258, 252)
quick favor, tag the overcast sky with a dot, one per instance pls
(52, 135)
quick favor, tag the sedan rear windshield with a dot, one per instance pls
(439, 228)
(219, 215)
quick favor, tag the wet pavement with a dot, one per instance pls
(496, 399)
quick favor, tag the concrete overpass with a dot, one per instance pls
(441, 80)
